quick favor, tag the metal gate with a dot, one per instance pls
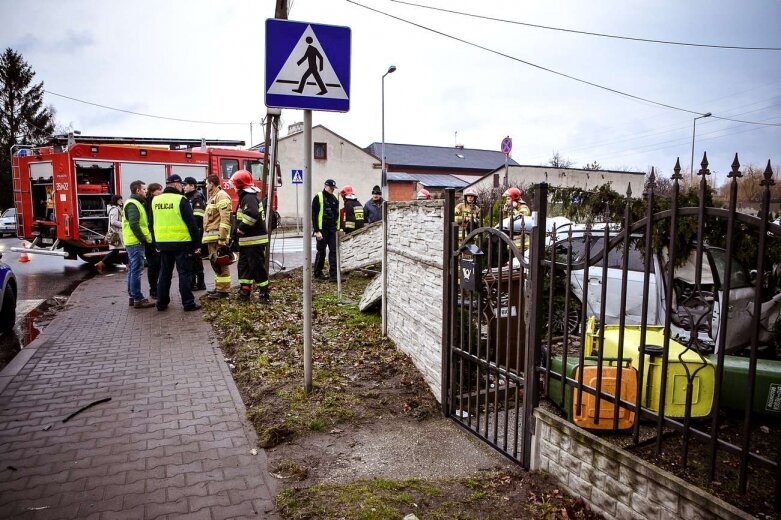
(491, 294)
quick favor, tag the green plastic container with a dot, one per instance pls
(767, 389)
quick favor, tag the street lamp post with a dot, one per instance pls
(694, 130)
(391, 69)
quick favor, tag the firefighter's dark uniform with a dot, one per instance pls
(325, 217)
(352, 214)
(253, 239)
(198, 204)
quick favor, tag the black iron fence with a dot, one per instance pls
(663, 325)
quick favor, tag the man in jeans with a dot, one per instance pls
(136, 235)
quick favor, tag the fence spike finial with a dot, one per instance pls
(768, 174)
(629, 190)
(677, 175)
(735, 172)
(704, 170)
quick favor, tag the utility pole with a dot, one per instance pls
(272, 121)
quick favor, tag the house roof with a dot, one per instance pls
(400, 155)
(429, 180)
(474, 181)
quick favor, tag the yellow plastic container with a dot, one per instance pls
(683, 365)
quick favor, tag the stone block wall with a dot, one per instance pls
(361, 248)
(614, 482)
(414, 293)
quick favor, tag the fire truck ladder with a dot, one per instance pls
(173, 144)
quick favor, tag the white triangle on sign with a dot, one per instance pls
(309, 54)
(298, 176)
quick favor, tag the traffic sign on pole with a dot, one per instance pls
(507, 145)
(297, 177)
(307, 66)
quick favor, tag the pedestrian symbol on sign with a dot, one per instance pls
(297, 177)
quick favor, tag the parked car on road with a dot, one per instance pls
(8, 222)
(8, 294)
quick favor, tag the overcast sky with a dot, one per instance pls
(204, 60)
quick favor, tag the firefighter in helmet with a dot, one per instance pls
(424, 194)
(195, 197)
(252, 238)
(352, 212)
(467, 214)
(515, 208)
(216, 232)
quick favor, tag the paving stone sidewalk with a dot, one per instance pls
(171, 443)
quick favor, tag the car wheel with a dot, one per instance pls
(8, 311)
(572, 320)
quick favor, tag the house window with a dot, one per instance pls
(321, 151)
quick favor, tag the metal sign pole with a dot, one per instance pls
(298, 215)
(307, 238)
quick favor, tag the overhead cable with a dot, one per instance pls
(141, 114)
(575, 31)
(562, 74)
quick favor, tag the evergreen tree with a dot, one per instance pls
(23, 117)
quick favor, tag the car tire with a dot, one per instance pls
(572, 321)
(8, 310)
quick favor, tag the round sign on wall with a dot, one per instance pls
(507, 145)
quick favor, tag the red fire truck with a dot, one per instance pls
(61, 190)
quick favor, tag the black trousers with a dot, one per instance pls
(183, 260)
(252, 266)
(198, 261)
(152, 268)
(329, 241)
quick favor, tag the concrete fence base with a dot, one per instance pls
(614, 482)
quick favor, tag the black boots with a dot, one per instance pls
(263, 295)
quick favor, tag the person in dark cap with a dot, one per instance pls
(372, 210)
(175, 235)
(325, 219)
(198, 203)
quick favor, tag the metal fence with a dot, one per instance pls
(663, 326)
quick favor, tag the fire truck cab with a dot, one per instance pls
(61, 192)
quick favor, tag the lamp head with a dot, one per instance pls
(707, 115)
(392, 68)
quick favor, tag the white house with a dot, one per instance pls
(563, 177)
(334, 157)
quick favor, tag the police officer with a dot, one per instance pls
(325, 217)
(175, 234)
(352, 212)
(198, 203)
(252, 237)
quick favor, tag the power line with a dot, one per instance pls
(562, 74)
(575, 31)
(141, 114)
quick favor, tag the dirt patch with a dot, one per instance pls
(369, 441)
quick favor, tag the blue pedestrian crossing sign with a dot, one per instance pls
(307, 66)
(297, 177)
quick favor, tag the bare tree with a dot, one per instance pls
(592, 166)
(557, 161)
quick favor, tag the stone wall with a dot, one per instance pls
(361, 248)
(414, 293)
(614, 482)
